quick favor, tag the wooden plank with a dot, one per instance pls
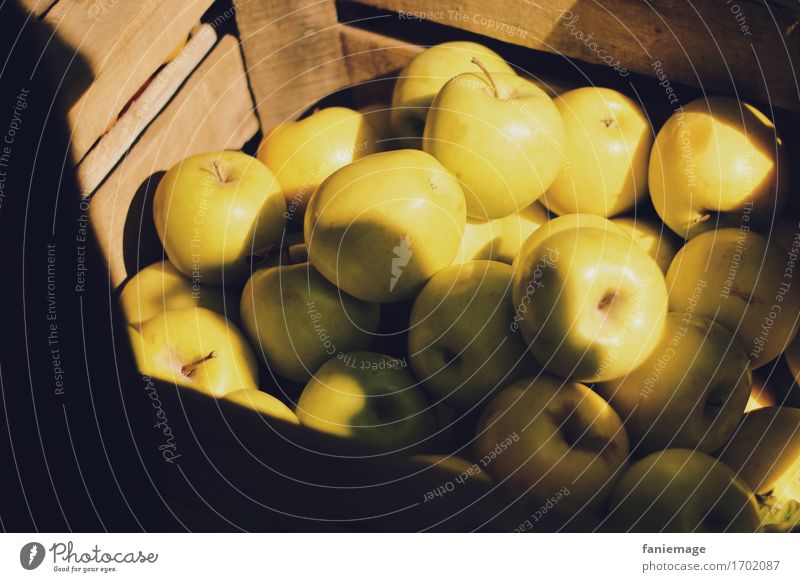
(292, 53)
(740, 47)
(109, 150)
(37, 7)
(213, 111)
(109, 50)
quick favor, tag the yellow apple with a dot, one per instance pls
(159, 287)
(370, 398)
(792, 357)
(299, 320)
(500, 135)
(381, 227)
(499, 239)
(303, 153)
(742, 281)
(590, 303)
(690, 392)
(542, 434)
(213, 211)
(459, 342)
(607, 143)
(659, 242)
(680, 490)
(263, 403)
(378, 115)
(425, 75)
(196, 348)
(717, 162)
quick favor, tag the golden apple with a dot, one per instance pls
(263, 403)
(659, 242)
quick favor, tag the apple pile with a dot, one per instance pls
(599, 352)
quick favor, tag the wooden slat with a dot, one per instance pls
(701, 43)
(213, 111)
(292, 53)
(37, 7)
(116, 48)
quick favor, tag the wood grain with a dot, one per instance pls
(109, 49)
(703, 43)
(213, 111)
(292, 53)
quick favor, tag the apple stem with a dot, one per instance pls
(218, 171)
(702, 218)
(189, 368)
(476, 61)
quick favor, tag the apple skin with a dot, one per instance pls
(681, 491)
(765, 450)
(658, 241)
(459, 342)
(792, 357)
(737, 278)
(176, 338)
(690, 392)
(213, 211)
(382, 226)
(590, 303)
(301, 154)
(424, 76)
(607, 143)
(286, 309)
(714, 160)
(263, 403)
(370, 398)
(499, 239)
(378, 116)
(505, 150)
(160, 287)
(566, 436)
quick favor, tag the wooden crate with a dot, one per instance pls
(236, 469)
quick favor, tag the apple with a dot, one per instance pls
(658, 241)
(159, 287)
(541, 435)
(213, 211)
(369, 398)
(499, 239)
(196, 348)
(607, 143)
(715, 162)
(459, 342)
(425, 75)
(739, 279)
(792, 357)
(590, 303)
(299, 320)
(263, 403)
(500, 135)
(765, 450)
(379, 118)
(380, 227)
(301, 154)
(690, 392)
(680, 490)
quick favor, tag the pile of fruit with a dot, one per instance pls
(486, 251)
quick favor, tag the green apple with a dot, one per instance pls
(370, 398)
(499, 239)
(607, 143)
(542, 434)
(159, 287)
(380, 227)
(263, 403)
(500, 135)
(299, 320)
(690, 392)
(425, 75)
(590, 302)
(765, 451)
(301, 154)
(213, 211)
(739, 279)
(680, 490)
(716, 163)
(459, 342)
(658, 241)
(196, 348)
